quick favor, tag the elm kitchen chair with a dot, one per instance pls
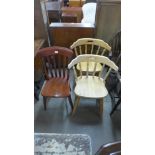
(91, 85)
(55, 61)
(90, 46)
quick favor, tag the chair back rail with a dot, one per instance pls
(90, 46)
(55, 61)
(93, 58)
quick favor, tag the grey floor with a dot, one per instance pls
(57, 119)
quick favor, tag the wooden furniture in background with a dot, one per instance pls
(108, 18)
(110, 149)
(38, 74)
(73, 10)
(40, 37)
(55, 61)
(39, 27)
(38, 44)
(53, 9)
(90, 46)
(91, 86)
(64, 34)
(69, 18)
(76, 3)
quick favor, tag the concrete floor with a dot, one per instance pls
(57, 119)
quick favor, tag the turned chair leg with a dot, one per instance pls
(44, 101)
(70, 101)
(76, 103)
(101, 106)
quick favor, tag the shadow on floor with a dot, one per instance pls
(57, 119)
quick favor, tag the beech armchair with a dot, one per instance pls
(90, 46)
(90, 85)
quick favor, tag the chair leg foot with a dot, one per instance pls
(76, 103)
(44, 101)
(70, 101)
(101, 106)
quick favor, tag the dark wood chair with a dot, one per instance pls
(55, 61)
(115, 44)
(110, 149)
(114, 80)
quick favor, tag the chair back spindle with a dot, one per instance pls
(98, 50)
(97, 59)
(55, 61)
(90, 46)
(87, 68)
(101, 72)
(94, 71)
(85, 48)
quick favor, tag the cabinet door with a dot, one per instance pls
(108, 19)
(39, 28)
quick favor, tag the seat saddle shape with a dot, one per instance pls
(90, 87)
(56, 87)
(91, 66)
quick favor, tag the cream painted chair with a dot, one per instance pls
(90, 46)
(90, 85)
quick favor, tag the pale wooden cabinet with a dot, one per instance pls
(108, 19)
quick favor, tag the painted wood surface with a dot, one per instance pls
(91, 86)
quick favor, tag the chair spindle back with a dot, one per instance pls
(97, 59)
(55, 60)
(90, 46)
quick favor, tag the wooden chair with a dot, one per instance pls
(114, 79)
(113, 85)
(90, 85)
(110, 149)
(90, 46)
(55, 60)
(115, 44)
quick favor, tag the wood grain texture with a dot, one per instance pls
(69, 18)
(38, 43)
(91, 41)
(91, 86)
(76, 3)
(91, 66)
(56, 87)
(90, 46)
(75, 10)
(64, 34)
(53, 9)
(108, 18)
(55, 61)
(93, 58)
(39, 27)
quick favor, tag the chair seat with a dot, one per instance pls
(56, 87)
(90, 87)
(91, 66)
